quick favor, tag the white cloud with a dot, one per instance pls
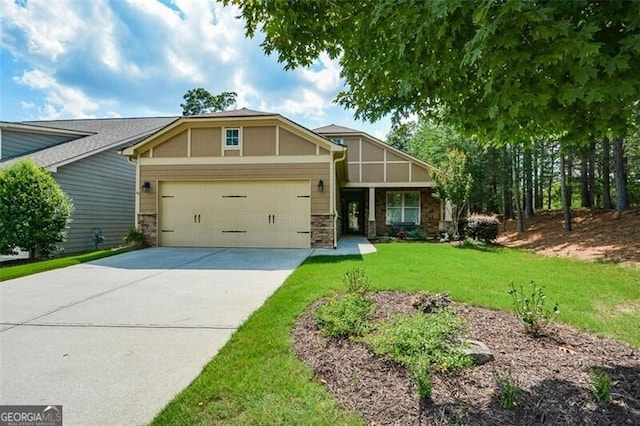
(48, 26)
(303, 102)
(60, 101)
(327, 79)
(27, 105)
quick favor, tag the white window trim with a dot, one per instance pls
(403, 206)
(232, 147)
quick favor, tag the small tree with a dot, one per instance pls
(199, 101)
(34, 211)
(453, 183)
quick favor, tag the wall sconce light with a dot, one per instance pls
(320, 186)
(146, 187)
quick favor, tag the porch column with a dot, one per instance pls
(371, 229)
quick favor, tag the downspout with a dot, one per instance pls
(333, 199)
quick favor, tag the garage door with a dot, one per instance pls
(235, 214)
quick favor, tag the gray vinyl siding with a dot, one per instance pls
(103, 191)
(20, 143)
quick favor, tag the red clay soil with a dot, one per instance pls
(597, 235)
(552, 373)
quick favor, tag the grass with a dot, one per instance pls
(257, 379)
(24, 269)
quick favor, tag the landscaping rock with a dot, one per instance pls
(479, 352)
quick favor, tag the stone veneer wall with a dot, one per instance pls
(429, 211)
(147, 223)
(322, 231)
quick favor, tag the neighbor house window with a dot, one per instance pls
(403, 206)
(339, 141)
(232, 138)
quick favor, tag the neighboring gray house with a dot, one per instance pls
(82, 156)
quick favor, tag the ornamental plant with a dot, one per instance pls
(34, 210)
(530, 307)
(507, 390)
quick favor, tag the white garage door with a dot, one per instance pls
(235, 214)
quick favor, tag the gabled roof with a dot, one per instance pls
(335, 129)
(242, 112)
(94, 136)
(133, 149)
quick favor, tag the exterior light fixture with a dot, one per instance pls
(320, 186)
(146, 187)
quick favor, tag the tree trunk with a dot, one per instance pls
(516, 189)
(585, 195)
(622, 201)
(550, 175)
(591, 174)
(537, 175)
(566, 199)
(528, 182)
(569, 179)
(506, 186)
(606, 175)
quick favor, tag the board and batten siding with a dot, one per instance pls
(15, 144)
(102, 187)
(268, 171)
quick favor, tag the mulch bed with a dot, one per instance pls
(552, 371)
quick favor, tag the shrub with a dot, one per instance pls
(530, 308)
(34, 211)
(482, 227)
(601, 385)
(346, 315)
(417, 234)
(507, 389)
(421, 343)
(136, 238)
(431, 302)
(356, 281)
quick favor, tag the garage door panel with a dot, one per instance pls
(235, 214)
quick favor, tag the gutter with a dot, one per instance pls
(333, 200)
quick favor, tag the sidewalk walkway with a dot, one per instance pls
(348, 245)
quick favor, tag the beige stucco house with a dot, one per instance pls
(246, 178)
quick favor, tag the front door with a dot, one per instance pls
(355, 217)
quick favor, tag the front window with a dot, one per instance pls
(232, 138)
(403, 206)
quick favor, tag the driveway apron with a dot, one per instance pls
(114, 340)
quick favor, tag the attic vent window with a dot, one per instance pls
(232, 138)
(339, 141)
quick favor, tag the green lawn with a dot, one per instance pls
(17, 271)
(257, 379)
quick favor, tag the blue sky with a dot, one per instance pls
(137, 58)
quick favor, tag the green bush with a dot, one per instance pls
(482, 227)
(507, 389)
(422, 342)
(345, 315)
(417, 234)
(34, 211)
(530, 308)
(601, 385)
(356, 281)
(135, 238)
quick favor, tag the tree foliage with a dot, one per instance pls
(454, 182)
(200, 101)
(34, 211)
(500, 70)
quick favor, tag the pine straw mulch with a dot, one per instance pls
(552, 371)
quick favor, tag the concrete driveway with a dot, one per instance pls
(114, 340)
